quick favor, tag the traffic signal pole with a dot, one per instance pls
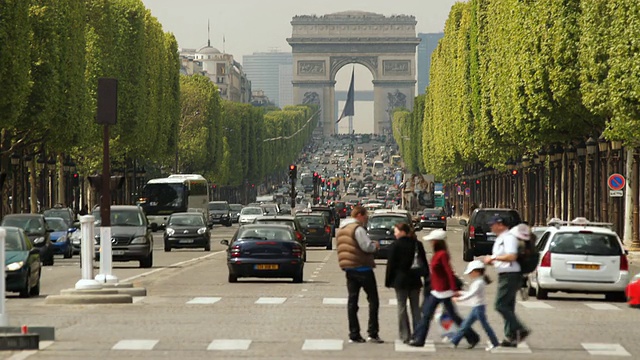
(293, 175)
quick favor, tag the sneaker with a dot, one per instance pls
(490, 346)
(375, 339)
(508, 343)
(415, 343)
(473, 344)
(359, 339)
(522, 334)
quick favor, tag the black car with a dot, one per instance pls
(316, 228)
(264, 251)
(131, 235)
(478, 239)
(332, 216)
(434, 218)
(219, 213)
(235, 212)
(22, 263)
(380, 228)
(289, 221)
(36, 228)
(187, 230)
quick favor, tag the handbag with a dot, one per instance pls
(418, 265)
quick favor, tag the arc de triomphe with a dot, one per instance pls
(322, 45)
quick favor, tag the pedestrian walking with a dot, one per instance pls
(504, 259)
(406, 265)
(355, 257)
(476, 297)
(443, 288)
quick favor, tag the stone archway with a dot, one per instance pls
(322, 45)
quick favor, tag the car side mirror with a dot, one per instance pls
(464, 222)
(34, 251)
(224, 242)
(153, 227)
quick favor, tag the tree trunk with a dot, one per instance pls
(33, 186)
(60, 175)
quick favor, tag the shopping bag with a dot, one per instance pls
(446, 326)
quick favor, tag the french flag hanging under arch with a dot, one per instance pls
(349, 106)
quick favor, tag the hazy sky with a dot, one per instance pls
(250, 26)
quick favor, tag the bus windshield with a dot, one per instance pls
(165, 198)
(378, 164)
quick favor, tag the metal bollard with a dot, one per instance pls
(87, 252)
(106, 257)
(4, 318)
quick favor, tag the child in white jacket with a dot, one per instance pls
(476, 298)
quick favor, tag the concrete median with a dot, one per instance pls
(77, 297)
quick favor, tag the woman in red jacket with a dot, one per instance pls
(443, 288)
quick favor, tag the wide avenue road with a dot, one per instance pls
(192, 312)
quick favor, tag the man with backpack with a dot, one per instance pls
(504, 258)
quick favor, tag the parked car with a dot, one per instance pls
(434, 218)
(477, 239)
(264, 251)
(235, 212)
(250, 213)
(580, 257)
(61, 236)
(219, 213)
(187, 230)
(131, 234)
(316, 228)
(37, 230)
(22, 263)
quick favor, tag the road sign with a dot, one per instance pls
(616, 182)
(438, 187)
(467, 191)
(616, 193)
(459, 190)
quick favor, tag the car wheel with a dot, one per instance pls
(26, 290)
(616, 296)
(541, 294)
(167, 248)
(298, 277)
(304, 258)
(532, 290)
(147, 262)
(466, 253)
(69, 253)
(233, 278)
(208, 246)
(35, 291)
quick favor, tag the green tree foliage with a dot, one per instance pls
(510, 77)
(15, 52)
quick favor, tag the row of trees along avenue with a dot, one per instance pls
(532, 105)
(51, 54)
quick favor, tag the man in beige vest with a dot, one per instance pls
(355, 257)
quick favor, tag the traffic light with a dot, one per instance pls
(293, 172)
(76, 179)
(514, 172)
(477, 182)
(464, 183)
(315, 178)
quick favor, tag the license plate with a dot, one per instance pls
(266, 267)
(433, 218)
(188, 241)
(586, 267)
(386, 242)
(491, 238)
(312, 231)
(117, 252)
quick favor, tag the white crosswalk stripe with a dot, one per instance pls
(429, 346)
(204, 300)
(602, 306)
(323, 345)
(535, 304)
(522, 348)
(334, 301)
(135, 345)
(603, 349)
(271, 300)
(229, 344)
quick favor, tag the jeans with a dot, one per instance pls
(477, 313)
(428, 310)
(367, 281)
(508, 286)
(413, 295)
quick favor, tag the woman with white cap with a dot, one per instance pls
(443, 288)
(477, 299)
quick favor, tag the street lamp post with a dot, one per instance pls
(15, 162)
(40, 163)
(571, 157)
(589, 203)
(66, 167)
(581, 152)
(603, 147)
(51, 166)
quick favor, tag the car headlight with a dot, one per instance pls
(139, 240)
(62, 238)
(38, 240)
(202, 230)
(170, 231)
(14, 266)
(225, 215)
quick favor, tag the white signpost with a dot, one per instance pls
(87, 250)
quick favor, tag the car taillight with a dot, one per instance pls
(235, 251)
(327, 229)
(472, 231)
(442, 217)
(422, 217)
(297, 251)
(624, 263)
(298, 236)
(546, 260)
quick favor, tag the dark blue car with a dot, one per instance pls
(61, 236)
